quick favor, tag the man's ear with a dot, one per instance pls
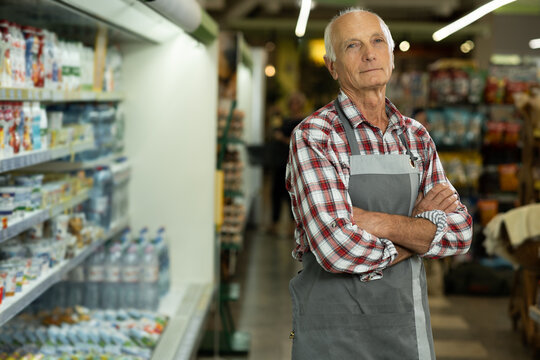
(331, 68)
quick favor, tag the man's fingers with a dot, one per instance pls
(452, 207)
(419, 198)
(443, 195)
(436, 190)
(452, 199)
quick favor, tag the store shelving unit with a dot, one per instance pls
(31, 158)
(144, 44)
(12, 306)
(39, 216)
(187, 307)
(63, 166)
(44, 95)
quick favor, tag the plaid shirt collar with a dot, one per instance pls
(356, 118)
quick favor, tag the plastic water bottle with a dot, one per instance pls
(162, 251)
(125, 239)
(130, 277)
(143, 237)
(95, 275)
(110, 295)
(100, 197)
(76, 286)
(148, 286)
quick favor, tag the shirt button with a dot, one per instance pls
(333, 225)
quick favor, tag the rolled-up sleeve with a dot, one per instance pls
(454, 230)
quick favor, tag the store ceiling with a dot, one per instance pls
(413, 19)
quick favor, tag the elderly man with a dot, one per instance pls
(370, 199)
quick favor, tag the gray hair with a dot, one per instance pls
(331, 54)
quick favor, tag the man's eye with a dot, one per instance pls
(350, 46)
(379, 40)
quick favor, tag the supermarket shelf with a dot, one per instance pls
(184, 330)
(39, 216)
(63, 166)
(12, 306)
(231, 246)
(233, 193)
(37, 157)
(231, 141)
(17, 94)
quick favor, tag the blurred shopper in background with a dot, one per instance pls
(419, 114)
(279, 153)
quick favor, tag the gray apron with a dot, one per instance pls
(338, 316)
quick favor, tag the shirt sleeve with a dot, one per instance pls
(454, 230)
(322, 207)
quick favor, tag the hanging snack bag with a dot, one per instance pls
(512, 133)
(494, 132)
(474, 133)
(457, 123)
(437, 125)
(494, 93)
(508, 179)
(460, 86)
(477, 84)
(488, 209)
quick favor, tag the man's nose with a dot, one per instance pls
(369, 54)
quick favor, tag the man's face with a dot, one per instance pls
(363, 58)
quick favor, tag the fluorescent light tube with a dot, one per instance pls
(301, 24)
(469, 18)
(534, 43)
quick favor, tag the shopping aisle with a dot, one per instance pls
(266, 308)
(464, 327)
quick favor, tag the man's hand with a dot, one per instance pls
(403, 254)
(412, 234)
(441, 197)
(415, 234)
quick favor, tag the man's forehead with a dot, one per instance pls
(365, 19)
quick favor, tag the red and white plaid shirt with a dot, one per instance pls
(318, 181)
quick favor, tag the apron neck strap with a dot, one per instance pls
(406, 144)
(351, 138)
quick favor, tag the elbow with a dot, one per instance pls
(467, 244)
(327, 265)
(467, 236)
(464, 237)
(424, 248)
(464, 242)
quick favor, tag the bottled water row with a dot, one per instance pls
(126, 273)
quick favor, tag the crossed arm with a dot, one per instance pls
(410, 235)
(345, 239)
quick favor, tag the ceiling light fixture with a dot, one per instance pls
(534, 43)
(301, 24)
(404, 46)
(469, 19)
(270, 70)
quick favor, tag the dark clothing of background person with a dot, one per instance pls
(279, 155)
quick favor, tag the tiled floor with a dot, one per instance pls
(464, 327)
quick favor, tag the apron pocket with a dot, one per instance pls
(360, 322)
(356, 336)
